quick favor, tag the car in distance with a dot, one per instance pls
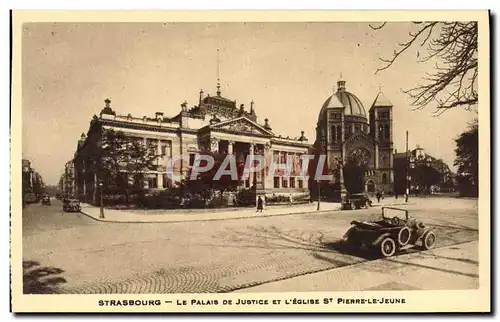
(71, 205)
(356, 201)
(46, 200)
(390, 234)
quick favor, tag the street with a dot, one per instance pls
(71, 253)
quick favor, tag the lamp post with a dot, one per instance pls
(407, 175)
(101, 213)
(319, 195)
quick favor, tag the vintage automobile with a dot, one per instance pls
(390, 234)
(356, 201)
(46, 200)
(71, 205)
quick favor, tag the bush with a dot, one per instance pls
(277, 199)
(193, 201)
(245, 198)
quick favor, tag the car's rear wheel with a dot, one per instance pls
(429, 240)
(404, 236)
(388, 247)
(353, 205)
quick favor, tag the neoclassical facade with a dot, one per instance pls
(214, 125)
(344, 130)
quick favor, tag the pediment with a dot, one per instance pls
(241, 125)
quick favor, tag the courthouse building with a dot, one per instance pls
(216, 125)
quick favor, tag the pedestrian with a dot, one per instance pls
(260, 204)
(290, 198)
(378, 196)
(382, 195)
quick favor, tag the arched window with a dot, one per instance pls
(334, 133)
(384, 178)
(358, 128)
(339, 132)
(370, 186)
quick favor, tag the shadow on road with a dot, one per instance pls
(40, 280)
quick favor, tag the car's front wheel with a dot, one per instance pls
(353, 205)
(429, 240)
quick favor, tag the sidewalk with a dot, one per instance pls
(180, 215)
(453, 267)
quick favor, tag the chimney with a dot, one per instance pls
(159, 116)
(252, 111)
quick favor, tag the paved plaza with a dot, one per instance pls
(73, 253)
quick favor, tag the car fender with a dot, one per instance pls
(348, 232)
(380, 238)
(421, 232)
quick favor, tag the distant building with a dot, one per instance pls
(32, 183)
(215, 124)
(67, 184)
(417, 160)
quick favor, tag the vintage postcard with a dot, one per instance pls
(244, 161)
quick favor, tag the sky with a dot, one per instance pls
(287, 69)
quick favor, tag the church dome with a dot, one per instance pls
(342, 98)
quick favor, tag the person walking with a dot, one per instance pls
(260, 204)
(378, 196)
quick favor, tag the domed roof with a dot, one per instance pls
(352, 104)
(342, 98)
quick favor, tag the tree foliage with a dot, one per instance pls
(453, 48)
(204, 182)
(467, 161)
(354, 175)
(424, 176)
(118, 156)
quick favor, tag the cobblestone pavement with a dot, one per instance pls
(200, 257)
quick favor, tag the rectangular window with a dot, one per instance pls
(292, 182)
(152, 183)
(301, 185)
(285, 183)
(163, 150)
(276, 182)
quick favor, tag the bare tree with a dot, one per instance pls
(453, 47)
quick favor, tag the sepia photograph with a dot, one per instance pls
(208, 161)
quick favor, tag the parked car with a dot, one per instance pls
(46, 200)
(71, 205)
(390, 234)
(356, 201)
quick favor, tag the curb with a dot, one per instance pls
(227, 218)
(232, 218)
(210, 219)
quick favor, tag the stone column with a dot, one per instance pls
(214, 145)
(250, 155)
(159, 180)
(230, 147)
